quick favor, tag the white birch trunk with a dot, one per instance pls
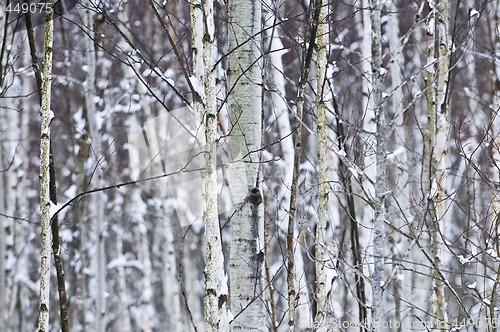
(46, 115)
(216, 307)
(246, 247)
(215, 292)
(437, 80)
(367, 104)
(368, 149)
(381, 186)
(320, 241)
(3, 247)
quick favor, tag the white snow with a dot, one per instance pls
(51, 115)
(71, 191)
(170, 81)
(433, 190)
(53, 208)
(472, 286)
(197, 86)
(66, 235)
(332, 69)
(463, 260)
(354, 172)
(123, 262)
(492, 253)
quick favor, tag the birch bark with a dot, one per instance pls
(437, 80)
(215, 292)
(368, 161)
(320, 243)
(246, 254)
(46, 115)
(381, 187)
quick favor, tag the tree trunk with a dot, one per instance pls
(367, 148)
(246, 255)
(320, 243)
(46, 115)
(437, 80)
(215, 292)
(381, 187)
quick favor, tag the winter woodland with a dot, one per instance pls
(245, 165)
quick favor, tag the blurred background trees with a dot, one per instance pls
(138, 85)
